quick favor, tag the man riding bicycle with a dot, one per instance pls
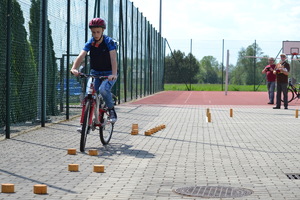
(103, 62)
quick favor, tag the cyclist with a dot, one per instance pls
(103, 62)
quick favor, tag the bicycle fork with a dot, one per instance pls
(91, 112)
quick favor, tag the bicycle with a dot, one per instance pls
(293, 92)
(94, 114)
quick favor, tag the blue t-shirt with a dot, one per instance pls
(99, 53)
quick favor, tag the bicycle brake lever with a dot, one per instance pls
(82, 75)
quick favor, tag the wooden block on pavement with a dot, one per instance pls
(99, 168)
(7, 188)
(40, 189)
(73, 167)
(72, 151)
(93, 152)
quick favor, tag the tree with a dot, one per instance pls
(22, 67)
(2, 61)
(210, 71)
(180, 68)
(191, 68)
(51, 71)
(248, 70)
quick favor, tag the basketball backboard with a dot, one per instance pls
(291, 47)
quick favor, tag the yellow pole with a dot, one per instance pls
(209, 117)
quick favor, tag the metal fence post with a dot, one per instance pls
(68, 59)
(44, 61)
(8, 63)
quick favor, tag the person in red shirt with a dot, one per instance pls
(271, 78)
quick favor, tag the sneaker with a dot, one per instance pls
(276, 107)
(79, 129)
(112, 115)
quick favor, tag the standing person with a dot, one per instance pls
(282, 72)
(103, 62)
(271, 78)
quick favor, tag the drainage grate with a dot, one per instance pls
(293, 176)
(213, 191)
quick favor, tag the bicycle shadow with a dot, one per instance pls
(121, 149)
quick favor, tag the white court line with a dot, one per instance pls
(188, 97)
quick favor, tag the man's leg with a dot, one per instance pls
(278, 96)
(285, 95)
(271, 91)
(268, 87)
(105, 91)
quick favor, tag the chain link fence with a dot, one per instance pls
(40, 41)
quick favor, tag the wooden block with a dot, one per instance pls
(40, 189)
(93, 152)
(8, 188)
(73, 167)
(134, 132)
(99, 168)
(207, 111)
(135, 126)
(208, 117)
(72, 151)
(231, 112)
(148, 133)
(296, 113)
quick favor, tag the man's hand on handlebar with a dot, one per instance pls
(75, 72)
(112, 77)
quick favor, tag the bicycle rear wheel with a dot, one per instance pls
(106, 129)
(85, 125)
(290, 95)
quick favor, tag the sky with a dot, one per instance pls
(201, 26)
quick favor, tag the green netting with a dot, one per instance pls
(140, 56)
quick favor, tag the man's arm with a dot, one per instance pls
(114, 66)
(77, 62)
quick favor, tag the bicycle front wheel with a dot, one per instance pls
(106, 129)
(290, 94)
(85, 125)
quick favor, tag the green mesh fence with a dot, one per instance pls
(141, 54)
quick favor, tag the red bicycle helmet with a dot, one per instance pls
(97, 22)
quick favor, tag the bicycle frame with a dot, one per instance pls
(93, 105)
(96, 109)
(293, 88)
(293, 91)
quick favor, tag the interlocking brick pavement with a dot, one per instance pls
(253, 150)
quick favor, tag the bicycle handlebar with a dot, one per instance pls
(82, 75)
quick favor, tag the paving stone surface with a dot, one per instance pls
(254, 150)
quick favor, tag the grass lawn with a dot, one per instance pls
(214, 87)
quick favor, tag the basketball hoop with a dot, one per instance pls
(291, 47)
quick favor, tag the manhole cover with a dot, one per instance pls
(293, 176)
(213, 191)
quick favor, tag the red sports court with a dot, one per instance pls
(209, 98)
